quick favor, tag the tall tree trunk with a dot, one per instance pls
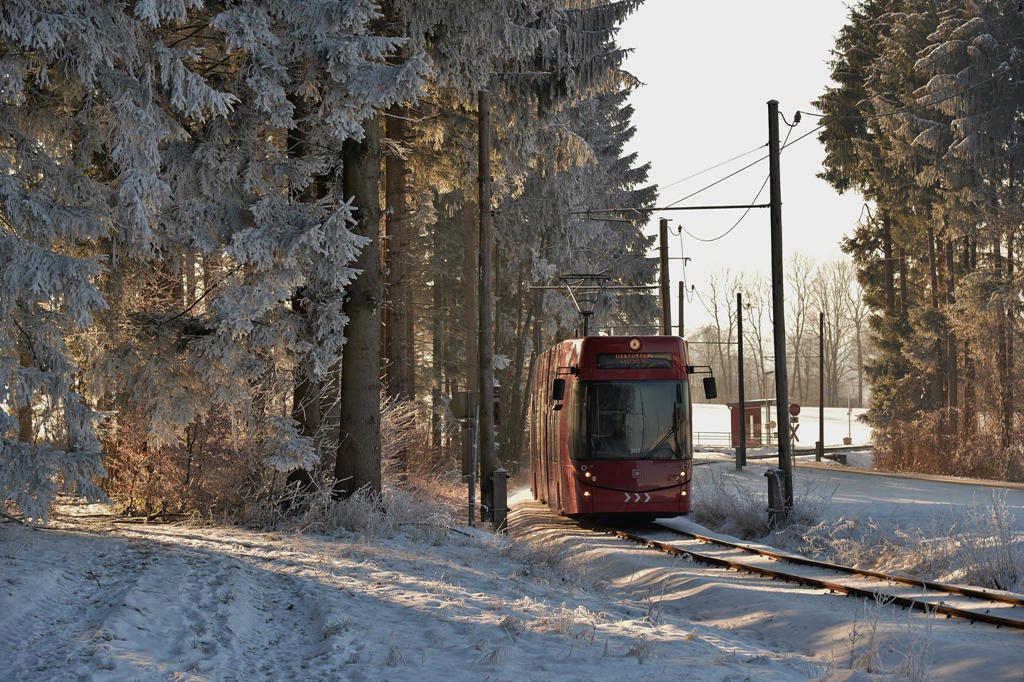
(441, 283)
(471, 317)
(306, 392)
(1003, 351)
(904, 289)
(951, 371)
(358, 463)
(968, 423)
(1008, 380)
(396, 263)
(516, 396)
(890, 275)
(410, 328)
(472, 313)
(937, 378)
(396, 315)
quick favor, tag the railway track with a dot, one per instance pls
(968, 603)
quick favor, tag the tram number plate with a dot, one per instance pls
(636, 497)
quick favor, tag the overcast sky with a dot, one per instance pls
(709, 69)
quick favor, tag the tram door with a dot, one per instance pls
(552, 460)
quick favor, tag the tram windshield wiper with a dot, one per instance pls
(674, 429)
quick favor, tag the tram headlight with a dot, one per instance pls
(587, 474)
(586, 493)
(683, 493)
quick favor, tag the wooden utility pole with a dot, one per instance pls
(472, 317)
(538, 310)
(682, 299)
(741, 451)
(779, 309)
(488, 460)
(666, 304)
(819, 451)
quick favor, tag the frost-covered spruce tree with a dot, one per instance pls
(431, 147)
(538, 59)
(549, 232)
(561, 145)
(872, 66)
(154, 235)
(972, 127)
(58, 210)
(926, 123)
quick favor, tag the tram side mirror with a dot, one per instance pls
(558, 389)
(710, 388)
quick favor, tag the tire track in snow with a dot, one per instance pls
(39, 638)
(153, 611)
(218, 613)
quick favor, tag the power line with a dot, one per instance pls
(752, 203)
(735, 225)
(717, 182)
(826, 117)
(796, 121)
(711, 168)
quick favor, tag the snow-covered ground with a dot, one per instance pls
(90, 599)
(93, 600)
(99, 601)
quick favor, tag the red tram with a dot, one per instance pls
(611, 426)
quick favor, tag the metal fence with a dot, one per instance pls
(724, 439)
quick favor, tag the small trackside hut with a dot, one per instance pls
(611, 427)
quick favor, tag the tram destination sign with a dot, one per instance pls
(635, 360)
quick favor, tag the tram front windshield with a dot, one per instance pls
(623, 420)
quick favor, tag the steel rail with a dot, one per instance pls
(973, 592)
(832, 586)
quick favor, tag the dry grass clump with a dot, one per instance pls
(989, 551)
(198, 475)
(553, 559)
(727, 506)
(369, 513)
(983, 546)
(870, 641)
(420, 494)
(871, 544)
(217, 471)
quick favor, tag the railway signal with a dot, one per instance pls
(794, 424)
